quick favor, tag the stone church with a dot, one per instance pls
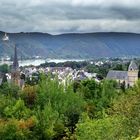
(128, 77)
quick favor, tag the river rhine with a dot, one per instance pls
(37, 62)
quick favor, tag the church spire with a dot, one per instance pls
(15, 73)
(15, 61)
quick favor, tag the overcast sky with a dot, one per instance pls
(64, 16)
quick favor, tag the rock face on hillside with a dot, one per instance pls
(88, 45)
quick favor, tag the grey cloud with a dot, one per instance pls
(59, 16)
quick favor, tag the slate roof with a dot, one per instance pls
(1, 78)
(132, 66)
(120, 75)
(0, 81)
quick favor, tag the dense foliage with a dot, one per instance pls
(79, 111)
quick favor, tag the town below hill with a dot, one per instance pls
(69, 100)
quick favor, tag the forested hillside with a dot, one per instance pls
(88, 45)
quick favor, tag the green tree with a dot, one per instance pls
(110, 128)
(4, 68)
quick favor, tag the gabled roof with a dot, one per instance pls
(132, 66)
(120, 75)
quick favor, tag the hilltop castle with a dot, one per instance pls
(128, 77)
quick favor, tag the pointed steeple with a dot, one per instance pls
(15, 61)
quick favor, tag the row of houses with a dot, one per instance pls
(64, 74)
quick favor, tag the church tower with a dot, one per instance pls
(15, 73)
(132, 73)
